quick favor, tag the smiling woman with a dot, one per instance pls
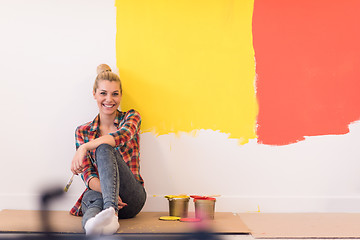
(120, 192)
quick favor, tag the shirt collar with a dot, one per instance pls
(96, 122)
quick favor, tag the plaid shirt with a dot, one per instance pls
(127, 140)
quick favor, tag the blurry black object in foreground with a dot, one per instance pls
(46, 199)
(49, 195)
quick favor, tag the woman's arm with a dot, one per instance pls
(77, 162)
(107, 139)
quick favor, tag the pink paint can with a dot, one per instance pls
(205, 207)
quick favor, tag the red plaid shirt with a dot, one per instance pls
(127, 138)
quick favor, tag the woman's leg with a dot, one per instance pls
(91, 205)
(131, 191)
(95, 220)
(116, 179)
(108, 175)
(102, 219)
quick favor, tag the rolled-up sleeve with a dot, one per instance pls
(128, 129)
(89, 171)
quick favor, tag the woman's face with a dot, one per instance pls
(107, 96)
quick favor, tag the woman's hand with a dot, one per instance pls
(77, 162)
(121, 204)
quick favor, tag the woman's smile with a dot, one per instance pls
(108, 105)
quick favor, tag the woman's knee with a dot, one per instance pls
(134, 207)
(129, 211)
(92, 199)
(104, 148)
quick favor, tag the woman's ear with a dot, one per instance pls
(94, 93)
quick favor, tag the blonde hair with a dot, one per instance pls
(104, 73)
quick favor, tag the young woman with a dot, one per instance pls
(107, 158)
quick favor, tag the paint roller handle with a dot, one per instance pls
(69, 183)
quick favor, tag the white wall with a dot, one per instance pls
(49, 51)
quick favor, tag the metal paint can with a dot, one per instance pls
(205, 208)
(178, 207)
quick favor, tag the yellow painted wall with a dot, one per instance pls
(188, 65)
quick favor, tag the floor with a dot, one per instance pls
(282, 224)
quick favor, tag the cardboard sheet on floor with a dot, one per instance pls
(145, 222)
(302, 225)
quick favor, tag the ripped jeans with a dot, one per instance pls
(116, 180)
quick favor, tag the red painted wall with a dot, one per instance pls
(308, 68)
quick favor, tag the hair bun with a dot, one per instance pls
(103, 68)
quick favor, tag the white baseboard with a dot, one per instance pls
(236, 204)
(265, 204)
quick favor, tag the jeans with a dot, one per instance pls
(116, 179)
